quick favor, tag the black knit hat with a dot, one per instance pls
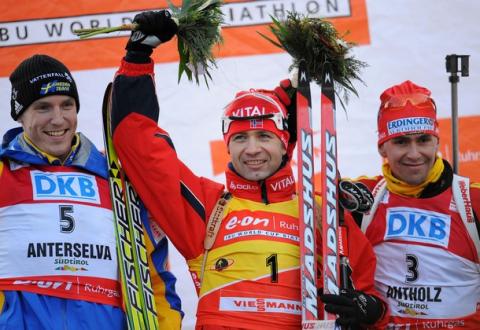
(40, 76)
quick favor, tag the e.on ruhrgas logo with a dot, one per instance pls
(469, 145)
(46, 26)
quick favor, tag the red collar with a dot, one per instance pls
(277, 188)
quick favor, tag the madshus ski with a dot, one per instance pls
(307, 210)
(137, 291)
(336, 268)
(306, 198)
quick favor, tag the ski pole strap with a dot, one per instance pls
(213, 226)
(355, 196)
(378, 194)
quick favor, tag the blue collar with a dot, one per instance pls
(86, 156)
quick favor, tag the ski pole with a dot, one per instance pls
(451, 62)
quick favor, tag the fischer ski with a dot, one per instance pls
(137, 291)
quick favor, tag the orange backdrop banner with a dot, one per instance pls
(46, 26)
(469, 145)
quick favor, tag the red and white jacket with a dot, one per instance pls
(428, 266)
(252, 277)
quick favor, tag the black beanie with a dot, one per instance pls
(39, 76)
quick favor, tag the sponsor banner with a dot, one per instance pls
(259, 305)
(104, 291)
(72, 186)
(469, 145)
(242, 225)
(417, 225)
(27, 28)
(414, 124)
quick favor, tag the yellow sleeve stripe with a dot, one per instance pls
(1, 167)
(2, 299)
(168, 318)
(473, 185)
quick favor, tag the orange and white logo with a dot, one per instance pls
(46, 26)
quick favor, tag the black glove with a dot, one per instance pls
(154, 27)
(288, 96)
(354, 307)
(355, 196)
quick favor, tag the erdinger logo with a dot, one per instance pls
(242, 186)
(64, 186)
(413, 124)
(411, 224)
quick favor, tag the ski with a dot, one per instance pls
(135, 278)
(306, 205)
(336, 268)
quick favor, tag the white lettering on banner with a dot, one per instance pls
(283, 183)
(241, 186)
(248, 112)
(414, 124)
(44, 30)
(466, 201)
(102, 290)
(470, 156)
(289, 226)
(435, 324)
(246, 221)
(309, 299)
(259, 12)
(417, 225)
(331, 273)
(263, 305)
(46, 284)
(51, 75)
(73, 287)
(261, 233)
(72, 186)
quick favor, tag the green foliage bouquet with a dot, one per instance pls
(317, 42)
(199, 23)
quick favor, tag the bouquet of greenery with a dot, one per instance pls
(317, 42)
(198, 24)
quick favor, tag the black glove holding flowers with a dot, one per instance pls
(154, 27)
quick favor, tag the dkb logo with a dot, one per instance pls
(411, 224)
(65, 186)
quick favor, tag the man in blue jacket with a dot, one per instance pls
(58, 260)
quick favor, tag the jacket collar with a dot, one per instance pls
(85, 155)
(277, 188)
